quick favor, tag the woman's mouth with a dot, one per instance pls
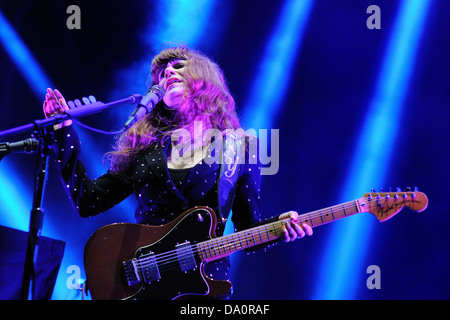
(172, 81)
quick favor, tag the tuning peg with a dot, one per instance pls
(408, 189)
(416, 189)
(398, 189)
(372, 190)
(379, 200)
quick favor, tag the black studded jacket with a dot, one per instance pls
(162, 194)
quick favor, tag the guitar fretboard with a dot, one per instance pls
(223, 246)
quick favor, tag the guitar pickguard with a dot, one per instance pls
(174, 281)
(177, 277)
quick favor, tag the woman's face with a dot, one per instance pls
(172, 80)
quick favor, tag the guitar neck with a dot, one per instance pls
(223, 246)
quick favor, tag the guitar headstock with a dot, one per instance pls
(385, 205)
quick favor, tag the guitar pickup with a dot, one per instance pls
(185, 256)
(149, 267)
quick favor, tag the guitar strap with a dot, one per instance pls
(232, 155)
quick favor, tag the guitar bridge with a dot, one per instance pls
(131, 272)
(144, 268)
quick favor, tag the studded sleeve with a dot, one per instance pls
(88, 196)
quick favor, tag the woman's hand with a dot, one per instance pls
(291, 229)
(55, 104)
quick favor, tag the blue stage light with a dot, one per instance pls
(23, 58)
(272, 79)
(172, 23)
(266, 95)
(15, 194)
(181, 22)
(15, 198)
(346, 249)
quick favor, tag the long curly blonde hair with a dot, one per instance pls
(207, 94)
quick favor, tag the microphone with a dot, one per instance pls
(148, 102)
(25, 146)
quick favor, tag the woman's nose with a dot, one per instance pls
(169, 71)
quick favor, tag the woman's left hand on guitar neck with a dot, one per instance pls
(292, 230)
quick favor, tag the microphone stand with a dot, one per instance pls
(36, 217)
(37, 128)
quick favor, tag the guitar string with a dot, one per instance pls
(168, 264)
(173, 253)
(171, 256)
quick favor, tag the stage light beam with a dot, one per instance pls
(272, 78)
(23, 58)
(347, 244)
(181, 22)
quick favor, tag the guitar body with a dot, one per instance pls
(110, 246)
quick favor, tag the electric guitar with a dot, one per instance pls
(126, 260)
